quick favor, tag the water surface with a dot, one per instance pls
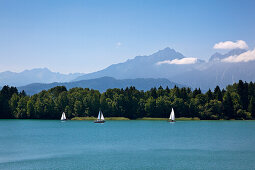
(139, 144)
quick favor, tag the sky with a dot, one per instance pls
(84, 36)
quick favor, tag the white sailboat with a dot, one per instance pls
(63, 117)
(100, 118)
(172, 116)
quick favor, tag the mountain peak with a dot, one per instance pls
(168, 49)
(166, 54)
(45, 69)
(139, 67)
(165, 51)
(218, 56)
(236, 51)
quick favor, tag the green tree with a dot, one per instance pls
(68, 112)
(218, 94)
(78, 110)
(209, 95)
(30, 108)
(13, 103)
(242, 90)
(251, 107)
(55, 91)
(150, 107)
(242, 115)
(5, 95)
(22, 108)
(163, 107)
(228, 108)
(213, 110)
(196, 92)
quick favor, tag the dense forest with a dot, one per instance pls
(236, 102)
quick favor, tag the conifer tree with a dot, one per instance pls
(251, 107)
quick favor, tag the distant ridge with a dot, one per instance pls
(37, 75)
(167, 64)
(102, 84)
(140, 67)
(218, 56)
(200, 74)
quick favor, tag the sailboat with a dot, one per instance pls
(172, 116)
(63, 117)
(100, 118)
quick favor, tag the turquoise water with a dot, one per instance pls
(51, 144)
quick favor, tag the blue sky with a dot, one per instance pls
(86, 36)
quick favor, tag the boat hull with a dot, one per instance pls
(99, 121)
(171, 120)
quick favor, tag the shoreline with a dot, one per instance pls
(124, 118)
(155, 119)
(177, 119)
(94, 118)
(144, 118)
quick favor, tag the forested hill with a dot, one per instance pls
(102, 84)
(236, 102)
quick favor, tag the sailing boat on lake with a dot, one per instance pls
(172, 116)
(63, 117)
(100, 118)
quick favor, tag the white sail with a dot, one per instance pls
(172, 116)
(98, 117)
(63, 117)
(102, 116)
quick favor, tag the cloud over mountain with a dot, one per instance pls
(244, 57)
(187, 60)
(231, 45)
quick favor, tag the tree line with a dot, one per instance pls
(236, 102)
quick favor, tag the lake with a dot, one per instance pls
(134, 144)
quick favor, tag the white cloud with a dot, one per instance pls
(118, 44)
(179, 61)
(244, 57)
(231, 45)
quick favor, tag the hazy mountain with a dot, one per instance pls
(143, 67)
(102, 84)
(215, 72)
(201, 74)
(166, 63)
(220, 73)
(218, 56)
(39, 75)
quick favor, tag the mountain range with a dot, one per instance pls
(168, 63)
(143, 67)
(164, 64)
(38, 75)
(102, 84)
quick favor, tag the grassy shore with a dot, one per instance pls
(124, 118)
(180, 118)
(84, 118)
(117, 118)
(94, 118)
(187, 118)
(151, 118)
